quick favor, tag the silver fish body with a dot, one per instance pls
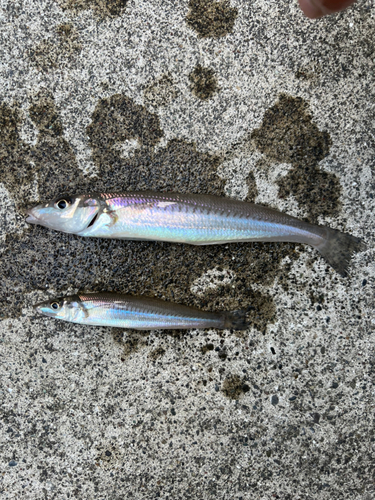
(186, 218)
(141, 313)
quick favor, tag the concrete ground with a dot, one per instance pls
(247, 99)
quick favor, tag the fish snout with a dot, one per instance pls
(31, 217)
(45, 309)
(38, 307)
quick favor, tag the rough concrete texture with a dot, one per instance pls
(241, 98)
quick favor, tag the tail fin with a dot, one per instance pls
(339, 248)
(235, 320)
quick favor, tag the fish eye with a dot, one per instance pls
(54, 305)
(62, 204)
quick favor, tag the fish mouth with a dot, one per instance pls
(31, 218)
(34, 219)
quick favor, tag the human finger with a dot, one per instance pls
(319, 8)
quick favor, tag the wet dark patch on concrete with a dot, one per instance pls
(60, 51)
(118, 335)
(210, 18)
(42, 259)
(288, 135)
(309, 73)
(101, 8)
(51, 160)
(318, 191)
(44, 115)
(203, 82)
(160, 93)
(107, 456)
(52, 156)
(234, 387)
(263, 163)
(156, 353)
(130, 341)
(252, 188)
(117, 120)
(15, 167)
(261, 308)
(207, 348)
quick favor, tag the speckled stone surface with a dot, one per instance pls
(247, 99)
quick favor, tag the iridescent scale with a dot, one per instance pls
(144, 313)
(196, 219)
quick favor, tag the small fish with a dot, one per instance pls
(140, 313)
(188, 218)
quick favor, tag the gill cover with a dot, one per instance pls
(70, 214)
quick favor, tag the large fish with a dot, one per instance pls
(188, 218)
(141, 313)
